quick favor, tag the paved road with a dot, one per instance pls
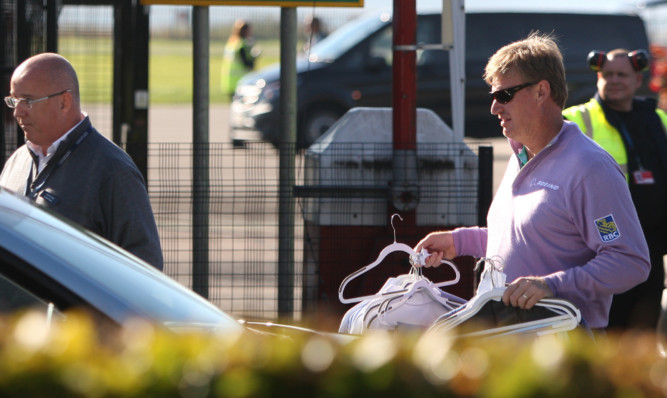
(173, 123)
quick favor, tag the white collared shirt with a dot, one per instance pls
(44, 159)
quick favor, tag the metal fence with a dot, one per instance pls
(334, 226)
(337, 225)
(32, 28)
(242, 222)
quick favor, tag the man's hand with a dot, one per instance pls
(440, 245)
(526, 291)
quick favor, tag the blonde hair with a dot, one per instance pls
(534, 58)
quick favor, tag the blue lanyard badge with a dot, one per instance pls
(32, 189)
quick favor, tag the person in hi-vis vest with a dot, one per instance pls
(633, 130)
(239, 56)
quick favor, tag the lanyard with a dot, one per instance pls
(631, 146)
(616, 120)
(32, 190)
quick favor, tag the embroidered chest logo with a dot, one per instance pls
(544, 184)
(607, 228)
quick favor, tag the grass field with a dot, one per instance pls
(170, 68)
(170, 73)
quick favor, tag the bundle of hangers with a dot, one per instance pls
(407, 301)
(412, 301)
(486, 316)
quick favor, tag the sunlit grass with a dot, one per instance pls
(170, 68)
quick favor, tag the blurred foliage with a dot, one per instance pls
(73, 359)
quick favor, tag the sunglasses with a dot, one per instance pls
(506, 95)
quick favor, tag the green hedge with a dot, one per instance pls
(74, 360)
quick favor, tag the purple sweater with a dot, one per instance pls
(567, 215)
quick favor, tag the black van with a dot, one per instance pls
(352, 68)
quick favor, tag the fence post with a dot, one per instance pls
(200, 152)
(288, 143)
(485, 183)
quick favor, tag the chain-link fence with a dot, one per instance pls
(341, 219)
(242, 222)
(21, 37)
(268, 244)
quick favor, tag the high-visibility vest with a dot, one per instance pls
(233, 69)
(592, 121)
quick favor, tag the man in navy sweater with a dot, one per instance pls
(69, 167)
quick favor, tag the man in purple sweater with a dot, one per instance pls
(562, 220)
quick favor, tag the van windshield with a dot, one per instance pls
(346, 37)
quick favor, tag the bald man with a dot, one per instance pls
(67, 166)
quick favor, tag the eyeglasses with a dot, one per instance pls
(506, 95)
(14, 102)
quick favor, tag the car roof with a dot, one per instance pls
(104, 276)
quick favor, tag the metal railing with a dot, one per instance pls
(340, 219)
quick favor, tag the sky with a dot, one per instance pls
(586, 6)
(163, 15)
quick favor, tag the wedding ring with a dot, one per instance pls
(524, 296)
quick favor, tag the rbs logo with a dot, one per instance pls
(607, 228)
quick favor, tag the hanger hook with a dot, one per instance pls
(392, 223)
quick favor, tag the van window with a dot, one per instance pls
(344, 38)
(428, 32)
(577, 34)
(381, 46)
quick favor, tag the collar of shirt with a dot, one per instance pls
(44, 159)
(523, 156)
(522, 153)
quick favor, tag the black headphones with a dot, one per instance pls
(638, 60)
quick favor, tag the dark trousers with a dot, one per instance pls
(639, 308)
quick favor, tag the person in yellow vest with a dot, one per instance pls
(239, 56)
(633, 130)
(313, 32)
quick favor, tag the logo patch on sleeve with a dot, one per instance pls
(607, 228)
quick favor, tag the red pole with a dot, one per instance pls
(404, 188)
(404, 74)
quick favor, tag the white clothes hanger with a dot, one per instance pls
(391, 248)
(384, 253)
(427, 287)
(419, 307)
(489, 288)
(566, 317)
(354, 321)
(492, 276)
(407, 300)
(473, 306)
(355, 318)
